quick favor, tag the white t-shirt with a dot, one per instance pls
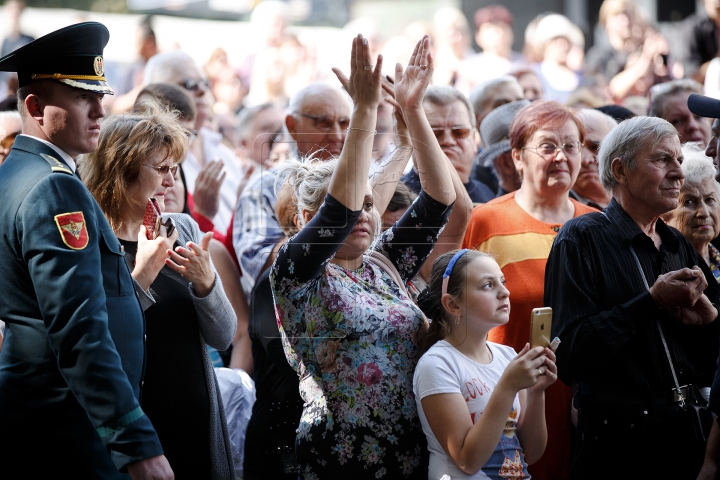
(443, 369)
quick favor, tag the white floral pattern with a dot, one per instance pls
(350, 336)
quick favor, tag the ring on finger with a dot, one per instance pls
(367, 67)
(541, 372)
(424, 67)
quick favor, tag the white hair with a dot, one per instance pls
(167, 67)
(696, 166)
(627, 140)
(598, 116)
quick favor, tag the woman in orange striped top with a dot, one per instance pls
(519, 228)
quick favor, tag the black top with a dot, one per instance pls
(605, 317)
(175, 393)
(478, 192)
(698, 41)
(270, 437)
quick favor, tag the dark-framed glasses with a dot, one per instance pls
(456, 132)
(549, 149)
(325, 123)
(193, 84)
(164, 169)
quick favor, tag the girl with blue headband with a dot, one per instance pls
(481, 405)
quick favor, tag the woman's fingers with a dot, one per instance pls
(413, 57)
(353, 54)
(205, 243)
(341, 78)
(365, 52)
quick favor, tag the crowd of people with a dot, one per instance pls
(341, 279)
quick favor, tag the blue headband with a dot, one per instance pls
(449, 269)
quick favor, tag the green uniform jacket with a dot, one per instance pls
(71, 366)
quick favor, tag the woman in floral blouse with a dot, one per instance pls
(348, 328)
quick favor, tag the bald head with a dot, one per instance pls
(318, 117)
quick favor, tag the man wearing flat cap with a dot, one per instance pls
(710, 108)
(72, 359)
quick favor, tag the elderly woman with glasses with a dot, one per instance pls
(519, 228)
(697, 215)
(182, 295)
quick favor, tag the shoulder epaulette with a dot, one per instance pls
(56, 165)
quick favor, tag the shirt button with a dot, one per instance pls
(122, 248)
(555, 228)
(145, 338)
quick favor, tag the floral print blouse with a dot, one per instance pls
(350, 335)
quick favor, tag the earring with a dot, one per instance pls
(457, 320)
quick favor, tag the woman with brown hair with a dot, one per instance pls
(185, 305)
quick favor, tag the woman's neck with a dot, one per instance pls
(545, 208)
(348, 263)
(131, 224)
(471, 344)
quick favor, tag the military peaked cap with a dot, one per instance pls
(72, 55)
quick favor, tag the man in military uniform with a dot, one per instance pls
(72, 360)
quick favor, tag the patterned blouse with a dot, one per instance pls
(350, 335)
(714, 262)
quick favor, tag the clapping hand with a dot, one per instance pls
(207, 189)
(193, 263)
(402, 137)
(365, 83)
(151, 255)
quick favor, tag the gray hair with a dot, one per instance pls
(696, 166)
(309, 178)
(168, 67)
(590, 113)
(627, 140)
(661, 93)
(314, 89)
(443, 95)
(247, 116)
(482, 93)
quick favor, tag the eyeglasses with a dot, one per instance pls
(164, 169)
(325, 123)
(549, 149)
(456, 132)
(193, 84)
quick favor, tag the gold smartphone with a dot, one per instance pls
(540, 327)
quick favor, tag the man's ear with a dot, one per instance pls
(619, 171)
(290, 124)
(35, 107)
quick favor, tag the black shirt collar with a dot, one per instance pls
(630, 231)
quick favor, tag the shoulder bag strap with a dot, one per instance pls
(377, 258)
(681, 399)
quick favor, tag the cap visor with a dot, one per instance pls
(704, 106)
(487, 156)
(95, 86)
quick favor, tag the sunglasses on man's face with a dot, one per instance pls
(193, 84)
(456, 132)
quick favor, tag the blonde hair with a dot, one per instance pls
(126, 142)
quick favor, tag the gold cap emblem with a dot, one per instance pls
(99, 66)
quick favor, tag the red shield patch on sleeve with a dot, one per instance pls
(73, 230)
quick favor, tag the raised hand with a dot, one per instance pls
(207, 189)
(365, 83)
(411, 84)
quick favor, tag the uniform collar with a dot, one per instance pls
(67, 158)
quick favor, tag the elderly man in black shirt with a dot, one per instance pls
(623, 285)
